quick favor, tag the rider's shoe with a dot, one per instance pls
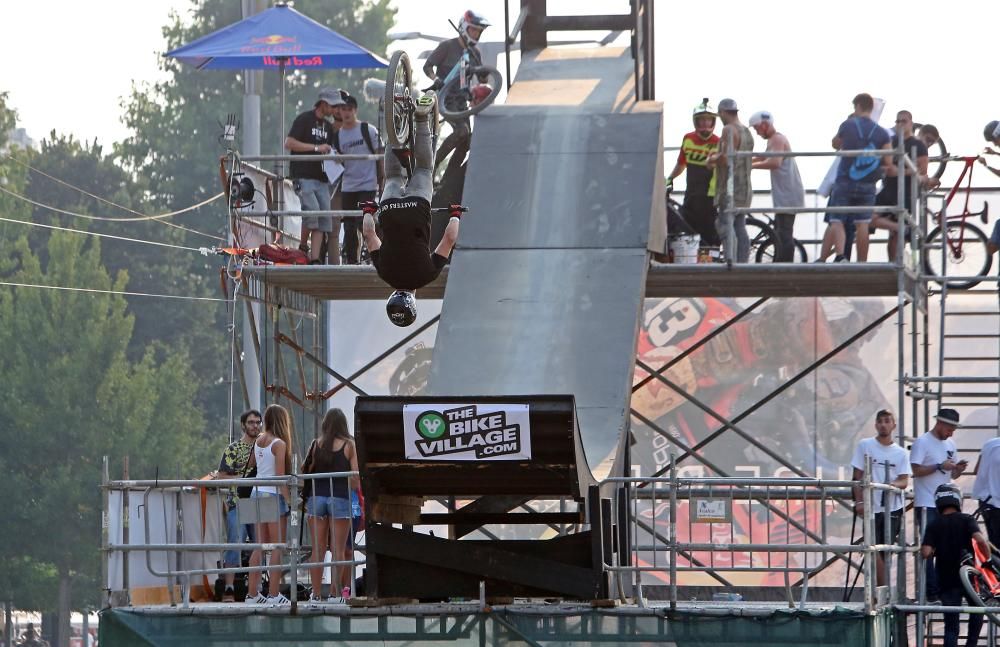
(425, 104)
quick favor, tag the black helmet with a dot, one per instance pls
(990, 131)
(401, 308)
(947, 496)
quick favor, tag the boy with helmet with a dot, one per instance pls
(696, 147)
(402, 256)
(947, 539)
(439, 64)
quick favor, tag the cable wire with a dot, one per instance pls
(99, 235)
(106, 201)
(128, 294)
(157, 217)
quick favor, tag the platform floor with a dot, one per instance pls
(340, 282)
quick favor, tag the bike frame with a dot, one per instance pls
(983, 565)
(942, 217)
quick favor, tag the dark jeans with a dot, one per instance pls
(991, 519)
(700, 213)
(952, 597)
(784, 251)
(352, 226)
(924, 520)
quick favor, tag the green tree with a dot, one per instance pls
(70, 397)
(174, 154)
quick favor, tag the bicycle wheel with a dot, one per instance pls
(978, 590)
(766, 251)
(398, 102)
(761, 237)
(937, 156)
(453, 94)
(972, 260)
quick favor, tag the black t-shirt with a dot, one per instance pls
(405, 260)
(950, 535)
(310, 129)
(890, 185)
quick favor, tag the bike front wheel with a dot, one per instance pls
(398, 101)
(767, 250)
(972, 258)
(978, 590)
(455, 102)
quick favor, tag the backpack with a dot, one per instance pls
(364, 133)
(865, 167)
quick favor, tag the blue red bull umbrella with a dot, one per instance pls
(275, 37)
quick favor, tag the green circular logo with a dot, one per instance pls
(431, 425)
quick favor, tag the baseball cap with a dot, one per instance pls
(728, 105)
(760, 117)
(948, 416)
(331, 96)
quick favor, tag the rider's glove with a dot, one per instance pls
(368, 207)
(437, 85)
(456, 210)
(670, 184)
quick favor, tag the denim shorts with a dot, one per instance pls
(328, 506)
(852, 194)
(236, 533)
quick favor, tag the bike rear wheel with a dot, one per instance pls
(978, 590)
(973, 258)
(937, 154)
(760, 234)
(398, 101)
(767, 250)
(453, 94)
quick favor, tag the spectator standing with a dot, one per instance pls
(934, 462)
(699, 196)
(312, 134)
(888, 196)
(947, 539)
(987, 487)
(233, 464)
(856, 178)
(328, 509)
(786, 184)
(890, 464)
(272, 455)
(993, 244)
(735, 137)
(362, 179)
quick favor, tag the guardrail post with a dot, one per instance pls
(672, 532)
(105, 533)
(293, 540)
(867, 533)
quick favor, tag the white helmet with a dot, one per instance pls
(471, 19)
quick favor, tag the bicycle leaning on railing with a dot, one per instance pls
(980, 576)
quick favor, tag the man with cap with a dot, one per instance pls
(786, 184)
(934, 461)
(731, 227)
(362, 179)
(312, 134)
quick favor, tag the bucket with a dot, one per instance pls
(684, 249)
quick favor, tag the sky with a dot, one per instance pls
(803, 61)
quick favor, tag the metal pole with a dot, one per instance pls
(253, 81)
(506, 39)
(672, 529)
(868, 533)
(105, 534)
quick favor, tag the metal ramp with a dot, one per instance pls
(565, 188)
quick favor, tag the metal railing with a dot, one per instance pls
(178, 549)
(699, 525)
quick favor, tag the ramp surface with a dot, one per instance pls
(565, 192)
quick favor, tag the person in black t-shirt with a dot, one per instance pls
(889, 195)
(311, 134)
(948, 538)
(402, 255)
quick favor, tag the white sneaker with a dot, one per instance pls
(278, 600)
(336, 600)
(256, 599)
(425, 104)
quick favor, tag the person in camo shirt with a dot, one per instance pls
(233, 463)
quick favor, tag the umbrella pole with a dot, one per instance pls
(281, 136)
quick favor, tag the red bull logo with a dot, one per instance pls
(274, 39)
(294, 61)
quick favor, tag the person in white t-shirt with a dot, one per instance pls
(884, 454)
(986, 489)
(934, 460)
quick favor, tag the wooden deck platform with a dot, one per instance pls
(342, 282)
